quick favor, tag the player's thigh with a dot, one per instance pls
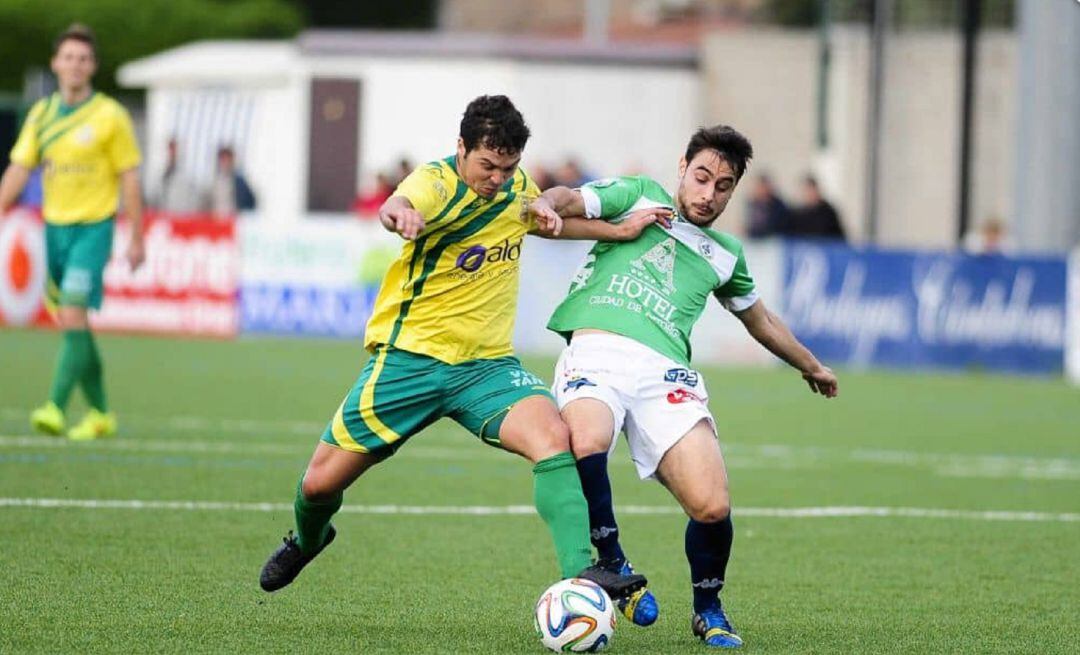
(507, 406)
(81, 282)
(592, 426)
(587, 392)
(395, 396)
(693, 470)
(332, 469)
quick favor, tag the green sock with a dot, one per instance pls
(70, 365)
(93, 379)
(313, 519)
(561, 503)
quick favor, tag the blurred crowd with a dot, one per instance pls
(569, 173)
(224, 195)
(769, 215)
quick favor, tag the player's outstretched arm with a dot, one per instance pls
(11, 185)
(576, 227)
(770, 331)
(560, 214)
(398, 215)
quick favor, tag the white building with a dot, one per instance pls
(314, 119)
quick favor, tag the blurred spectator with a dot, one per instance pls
(177, 192)
(816, 217)
(229, 191)
(767, 215)
(369, 200)
(404, 168)
(990, 239)
(541, 176)
(571, 175)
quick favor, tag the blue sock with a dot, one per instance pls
(708, 547)
(602, 527)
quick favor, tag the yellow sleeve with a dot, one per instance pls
(122, 149)
(25, 152)
(531, 192)
(421, 190)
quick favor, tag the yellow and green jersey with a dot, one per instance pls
(452, 293)
(82, 150)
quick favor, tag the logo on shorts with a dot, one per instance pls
(679, 396)
(578, 382)
(520, 378)
(681, 376)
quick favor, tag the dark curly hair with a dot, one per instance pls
(733, 147)
(495, 123)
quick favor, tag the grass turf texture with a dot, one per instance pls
(236, 422)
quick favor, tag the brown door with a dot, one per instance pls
(334, 144)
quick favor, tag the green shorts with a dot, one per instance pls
(400, 393)
(77, 255)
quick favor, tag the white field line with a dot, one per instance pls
(764, 456)
(769, 457)
(302, 449)
(518, 510)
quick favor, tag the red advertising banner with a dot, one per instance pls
(23, 270)
(188, 284)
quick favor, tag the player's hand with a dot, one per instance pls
(547, 219)
(136, 252)
(634, 224)
(822, 380)
(405, 221)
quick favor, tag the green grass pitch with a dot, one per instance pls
(234, 423)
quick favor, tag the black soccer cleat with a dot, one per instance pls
(287, 561)
(616, 584)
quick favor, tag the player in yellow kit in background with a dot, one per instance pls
(84, 142)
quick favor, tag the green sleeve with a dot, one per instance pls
(739, 292)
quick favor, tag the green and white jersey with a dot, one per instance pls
(652, 289)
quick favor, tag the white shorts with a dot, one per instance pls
(655, 400)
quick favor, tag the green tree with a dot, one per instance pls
(128, 30)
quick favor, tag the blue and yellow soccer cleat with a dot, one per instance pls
(639, 607)
(714, 628)
(94, 425)
(48, 419)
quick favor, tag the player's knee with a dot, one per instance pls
(550, 439)
(586, 442)
(317, 488)
(713, 510)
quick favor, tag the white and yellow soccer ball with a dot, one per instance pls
(575, 615)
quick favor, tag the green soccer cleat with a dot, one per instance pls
(94, 425)
(48, 419)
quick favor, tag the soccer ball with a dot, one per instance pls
(575, 615)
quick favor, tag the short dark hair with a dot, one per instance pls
(76, 32)
(733, 147)
(494, 122)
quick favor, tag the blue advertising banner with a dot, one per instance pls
(914, 309)
(310, 310)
